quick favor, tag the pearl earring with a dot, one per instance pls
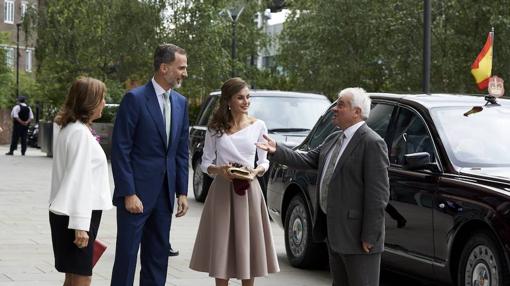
(229, 108)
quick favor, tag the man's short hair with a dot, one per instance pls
(165, 54)
(359, 99)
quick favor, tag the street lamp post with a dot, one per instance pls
(18, 25)
(426, 46)
(234, 13)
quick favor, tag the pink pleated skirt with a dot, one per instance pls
(234, 237)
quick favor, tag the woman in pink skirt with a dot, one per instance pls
(234, 238)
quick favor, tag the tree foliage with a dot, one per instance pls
(204, 29)
(115, 40)
(109, 40)
(331, 44)
(5, 75)
(27, 84)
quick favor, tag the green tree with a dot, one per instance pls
(204, 29)
(329, 45)
(109, 40)
(5, 74)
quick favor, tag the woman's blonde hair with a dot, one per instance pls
(84, 97)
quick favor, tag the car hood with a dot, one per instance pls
(497, 173)
(289, 139)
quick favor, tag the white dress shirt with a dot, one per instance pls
(80, 180)
(238, 147)
(349, 132)
(16, 109)
(160, 93)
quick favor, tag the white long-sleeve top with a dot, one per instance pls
(238, 147)
(79, 182)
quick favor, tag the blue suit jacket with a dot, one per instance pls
(140, 158)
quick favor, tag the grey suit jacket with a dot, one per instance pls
(358, 191)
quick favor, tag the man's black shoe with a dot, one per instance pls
(9, 153)
(172, 252)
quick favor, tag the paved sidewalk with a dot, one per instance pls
(26, 256)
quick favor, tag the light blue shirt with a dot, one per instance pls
(160, 93)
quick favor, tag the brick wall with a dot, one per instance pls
(6, 124)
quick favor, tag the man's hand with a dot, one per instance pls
(269, 145)
(133, 204)
(366, 246)
(81, 238)
(182, 205)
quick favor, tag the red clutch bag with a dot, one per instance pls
(240, 186)
(98, 250)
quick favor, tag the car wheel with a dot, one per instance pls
(201, 183)
(301, 251)
(482, 263)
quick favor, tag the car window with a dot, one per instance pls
(324, 128)
(288, 113)
(411, 136)
(207, 113)
(379, 118)
(474, 140)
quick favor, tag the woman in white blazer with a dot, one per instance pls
(80, 188)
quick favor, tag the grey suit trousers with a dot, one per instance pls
(354, 269)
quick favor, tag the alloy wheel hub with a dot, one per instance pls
(481, 268)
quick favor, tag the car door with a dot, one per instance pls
(409, 242)
(322, 130)
(197, 131)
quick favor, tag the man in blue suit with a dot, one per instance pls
(150, 169)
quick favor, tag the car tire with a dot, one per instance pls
(302, 252)
(201, 183)
(482, 263)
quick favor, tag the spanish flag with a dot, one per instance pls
(482, 66)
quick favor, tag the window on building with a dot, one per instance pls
(24, 7)
(9, 57)
(9, 11)
(268, 61)
(28, 60)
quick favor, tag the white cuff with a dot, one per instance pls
(80, 223)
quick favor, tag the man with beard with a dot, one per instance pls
(150, 169)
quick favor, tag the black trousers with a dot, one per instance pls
(19, 131)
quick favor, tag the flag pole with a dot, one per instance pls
(492, 63)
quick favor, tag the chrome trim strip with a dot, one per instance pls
(422, 260)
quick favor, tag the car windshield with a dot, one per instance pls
(480, 139)
(288, 113)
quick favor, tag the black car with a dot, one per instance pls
(289, 116)
(448, 218)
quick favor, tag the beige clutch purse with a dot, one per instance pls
(241, 173)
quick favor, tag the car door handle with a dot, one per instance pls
(450, 205)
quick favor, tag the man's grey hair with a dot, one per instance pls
(359, 99)
(165, 54)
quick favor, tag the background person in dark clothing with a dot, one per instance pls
(21, 115)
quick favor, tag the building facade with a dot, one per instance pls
(11, 17)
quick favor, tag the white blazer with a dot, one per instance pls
(80, 181)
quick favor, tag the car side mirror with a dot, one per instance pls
(419, 161)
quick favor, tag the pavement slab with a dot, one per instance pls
(26, 256)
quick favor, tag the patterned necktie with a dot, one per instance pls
(328, 172)
(168, 115)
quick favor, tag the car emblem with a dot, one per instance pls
(496, 86)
